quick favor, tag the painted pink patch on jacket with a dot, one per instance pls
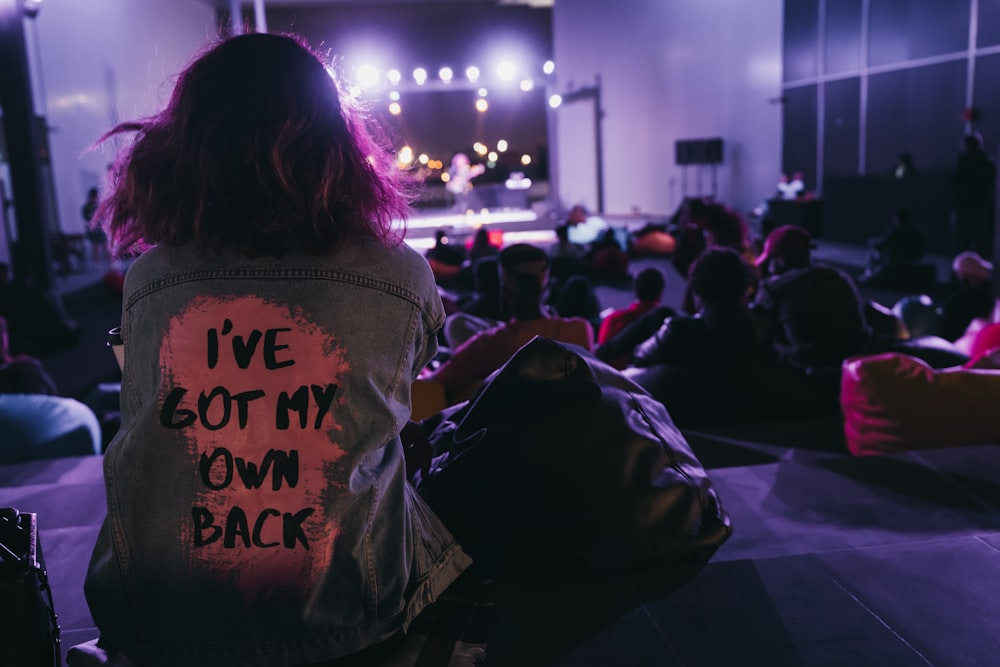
(254, 388)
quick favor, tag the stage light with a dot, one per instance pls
(549, 67)
(420, 76)
(445, 177)
(502, 145)
(394, 76)
(525, 159)
(527, 84)
(394, 95)
(405, 155)
(506, 70)
(423, 158)
(482, 92)
(367, 76)
(493, 157)
(480, 148)
(472, 73)
(395, 109)
(445, 74)
(555, 100)
(482, 105)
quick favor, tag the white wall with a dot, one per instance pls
(100, 62)
(670, 69)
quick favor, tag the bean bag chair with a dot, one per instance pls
(36, 426)
(559, 467)
(895, 402)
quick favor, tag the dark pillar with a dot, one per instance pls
(31, 257)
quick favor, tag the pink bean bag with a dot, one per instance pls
(894, 402)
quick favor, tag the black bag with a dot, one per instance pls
(560, 467)
(29, 628)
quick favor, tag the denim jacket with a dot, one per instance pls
(258, 508)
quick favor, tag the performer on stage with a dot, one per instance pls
(459, 183)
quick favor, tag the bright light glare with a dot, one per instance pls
(420, 76)
(501, 145)
(395, 109)
(367, 76)
(482, 92)
(555, 101)
(525, 159)
(354, 90)
(394, 76)
(394, 95)
(527, 84)
(482, 105)
(445, 74)
(480, 148)
(493, 157)
(472, 73)
(405, 155)
(549, 67)
(423, 158)
(506, 70)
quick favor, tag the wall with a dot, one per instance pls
(865, 80)
(668, 71)
(100, 62)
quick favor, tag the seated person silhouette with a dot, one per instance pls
(723, 332)
(895, 259)
(524, 273)
(22, 373)
(648, 285)
(815, 311)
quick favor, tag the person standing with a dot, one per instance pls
(96, 237)
(973, 197)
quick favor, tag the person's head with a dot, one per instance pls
(970, 268)
(576, 215)
(725, 228)
(256, 149)
(786, 247)
(577, 298)
(720, 278)
(481, 240)
(92, 194)
(972, 142)
(524, 273)
(562, 233)
(441, 237)
(649, 284)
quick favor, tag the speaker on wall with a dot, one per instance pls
(698, 151)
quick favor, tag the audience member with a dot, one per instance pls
(36, 322)
(648, 286)
(606, 259)
(724, 228)
(481, 246)
(970, 298)
(973, 185)
(723, 332)
(567, 258)
(815, 312)
(582, 227)
(96, 237)
(480, 311)
(22, 373)
(895, 258)
(524, 271)
(446, 258)
(294, 306)
(576, 297)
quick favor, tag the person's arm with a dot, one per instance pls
(625, 341)
(660, 348)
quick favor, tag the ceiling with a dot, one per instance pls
(224, 4)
